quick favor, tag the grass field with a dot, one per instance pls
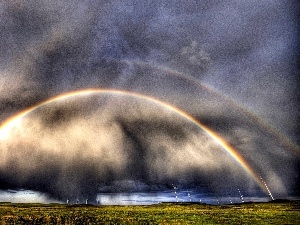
(281, 212)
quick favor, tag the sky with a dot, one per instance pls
(161, 75)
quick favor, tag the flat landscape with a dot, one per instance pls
(276, 212)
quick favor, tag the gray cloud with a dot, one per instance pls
(74, 154)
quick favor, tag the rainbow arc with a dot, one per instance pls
(17, 119)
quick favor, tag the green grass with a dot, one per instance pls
(167, 213)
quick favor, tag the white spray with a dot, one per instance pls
(241, 196)
(175, 192)
(269, 192)
(230, 199)
(189, 196)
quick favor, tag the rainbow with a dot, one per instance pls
(283, 140)
(17, 119)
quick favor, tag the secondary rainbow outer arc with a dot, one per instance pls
(286, 142)
(14, 120)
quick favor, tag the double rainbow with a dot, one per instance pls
(283, 140)
(16, 119)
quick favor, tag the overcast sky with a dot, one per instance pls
(231, 64)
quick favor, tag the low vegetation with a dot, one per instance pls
(277, 212)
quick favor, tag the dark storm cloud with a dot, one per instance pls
(116, 145)
(144, 127)
(56, 176)
(60, 115)
(64, 51)
(245, 49)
